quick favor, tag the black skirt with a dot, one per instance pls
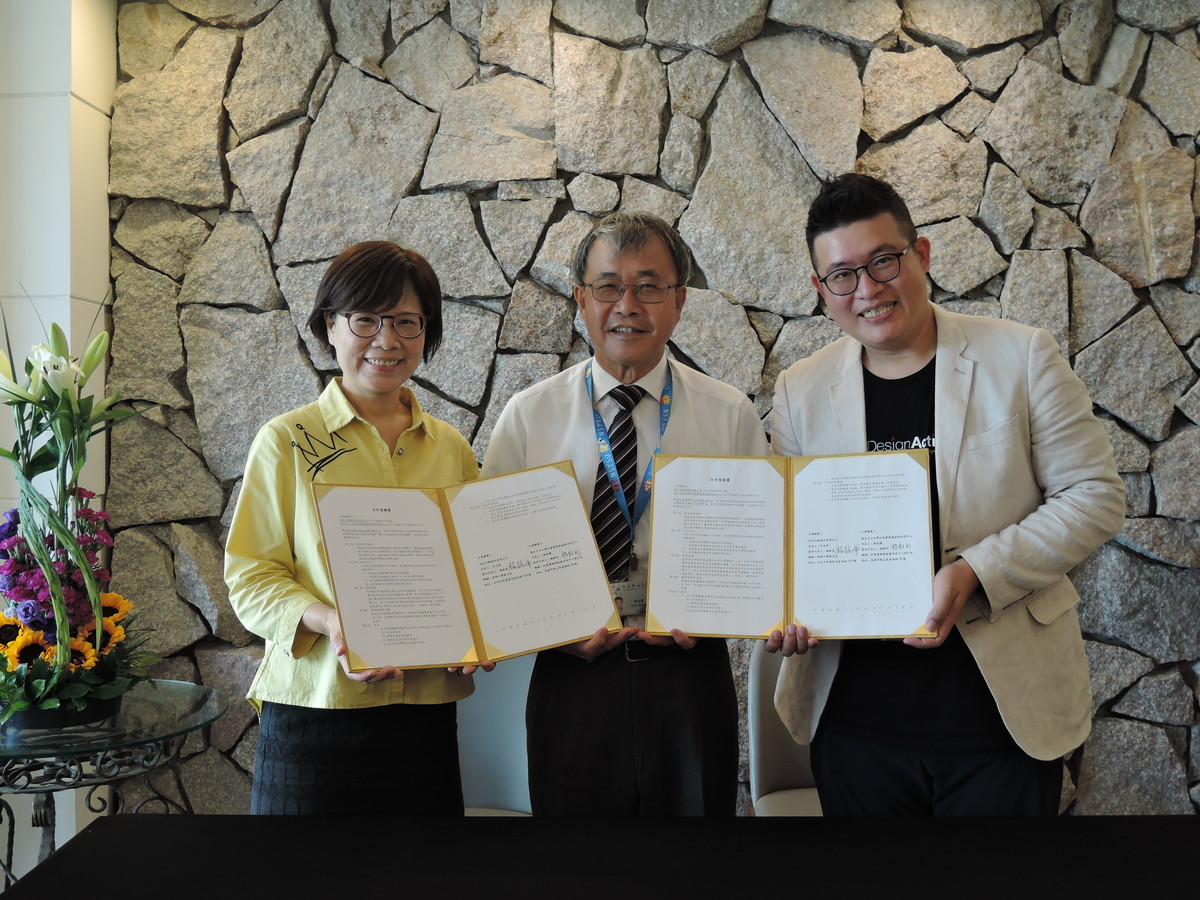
(397, 760)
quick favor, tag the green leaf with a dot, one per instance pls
(49, 703)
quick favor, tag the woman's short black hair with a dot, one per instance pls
(372, 277)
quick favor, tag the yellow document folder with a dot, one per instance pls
(741, 546)
(485, 570)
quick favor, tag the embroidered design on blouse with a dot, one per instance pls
(318, 453)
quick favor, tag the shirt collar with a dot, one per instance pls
(652, 382)
(338, 412)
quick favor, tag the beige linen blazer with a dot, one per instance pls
(1027, 488)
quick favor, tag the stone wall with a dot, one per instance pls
(1047, 149)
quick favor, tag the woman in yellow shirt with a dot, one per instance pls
(332, 742)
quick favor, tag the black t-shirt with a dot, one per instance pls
(886, 691)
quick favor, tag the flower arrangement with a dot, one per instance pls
(63, 638)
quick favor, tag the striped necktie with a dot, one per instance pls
(612, 531)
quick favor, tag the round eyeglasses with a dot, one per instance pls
(609, 291)
(881, 268)
(365, 325)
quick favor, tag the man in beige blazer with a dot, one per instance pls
(974, 721)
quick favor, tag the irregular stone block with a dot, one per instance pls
(1144, 605)
(281, 58)
(409, 15)
(1179, 311)
(1138, 488)
(538, 321)
(1122, 59)
(694, 80)
(753, 174)
(262, 169)
(1100, 298)
(988, 72)
(215, 785)
(147, 35)
(1171, 541)
(502, 130)
(231, 672)
(345, 188)
(200, 580)
(938, 174)
(715, 26)
(161, 234)
(233, 268)
(963, 256)
(1112, 669)
(967, 114)
(901, 88)
(715, 334)
(1139, 214)
(243, 369)
(461, 366)
(321, 89)
(1140, 134)
(514, 228)
(1128, 768)
(358, 27)
(513, 372)
(553, 264)
(593, 194)
(607, 106)
(224, 13)
(1129, 452)
(766, 325)
(463, 420)
(811, 85)
(1154, 15)
(1035, 292)
(299, 285)
(143, 574)
(429, 85)
(1174, 464)
(1161, 698)
(680, 161)
(546, 188)
(643, 196)
(864, 23)
(1083, 27)
(1172, 86)
(167, 126)
(1057, 156)
(144, 317)
(1006, 209)
(614, 22)
(962, 28)
(1189, 403)
(1137, 373)
(1054, 230)
(441, 227)
(516, 34)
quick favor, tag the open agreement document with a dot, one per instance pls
(839, 544)
(485, 570)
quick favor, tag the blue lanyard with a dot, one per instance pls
(610, 465)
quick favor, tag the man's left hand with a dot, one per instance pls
(662, 640)
(952, 586)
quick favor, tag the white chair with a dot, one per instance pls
(781, 782)
(491, 741)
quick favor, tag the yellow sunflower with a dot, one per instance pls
(10, 627)
(113, 635)
(83, 654)
(26, 647)
(115, 607)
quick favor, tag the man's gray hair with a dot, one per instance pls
(632, 229)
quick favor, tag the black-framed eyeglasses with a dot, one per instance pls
(365, 325)
(881, 268)
(610, 291)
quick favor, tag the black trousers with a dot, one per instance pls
(640, 731)
(862, 778)
(398, 760)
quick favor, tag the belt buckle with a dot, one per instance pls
(629, 658)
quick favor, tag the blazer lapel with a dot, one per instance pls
(952, 390)
(848, 402)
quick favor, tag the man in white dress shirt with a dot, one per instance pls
(629, 723)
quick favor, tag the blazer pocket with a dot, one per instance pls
(1048, 604)
(997, 434)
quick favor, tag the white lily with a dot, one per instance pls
(8, 386)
